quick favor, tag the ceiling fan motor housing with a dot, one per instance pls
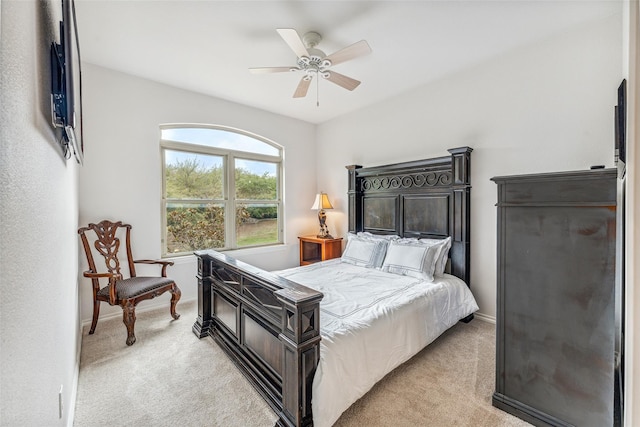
(315, 62)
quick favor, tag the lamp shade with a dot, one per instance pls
(322, 202)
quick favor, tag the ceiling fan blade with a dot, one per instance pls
(303, 87)
(291, 37)
(342, 80)
(353, 51)
(265, 70)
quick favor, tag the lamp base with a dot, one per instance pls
(325, 236)
(324, 230)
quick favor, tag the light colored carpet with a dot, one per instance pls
(171, 378)
(449, 383)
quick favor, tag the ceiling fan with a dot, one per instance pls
(313, 61)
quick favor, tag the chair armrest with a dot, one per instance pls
(153, 261)
(90, 274)
(112, 283)
(164, 264)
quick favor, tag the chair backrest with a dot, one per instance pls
(107, 243)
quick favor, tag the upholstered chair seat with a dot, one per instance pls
(136, 286)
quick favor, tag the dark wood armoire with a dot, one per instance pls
(556, 277)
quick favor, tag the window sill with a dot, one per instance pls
(188, 258)
(281, 247)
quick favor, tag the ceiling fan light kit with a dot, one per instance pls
(313, 61)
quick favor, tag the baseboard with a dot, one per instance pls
(485, 317)
(71, 405)
(149, 307)
(71, 411)
(139, 309)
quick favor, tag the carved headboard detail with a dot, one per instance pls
(418, 180)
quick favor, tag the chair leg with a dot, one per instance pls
(175, 297)
(96, 312)
(129, 319)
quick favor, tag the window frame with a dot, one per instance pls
(228, 200)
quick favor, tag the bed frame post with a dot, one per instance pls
(354, 194)
(461, 221)
(204, 321)
(300, 339)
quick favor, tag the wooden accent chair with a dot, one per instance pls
(126, 292)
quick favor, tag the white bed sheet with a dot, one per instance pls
(370, 323)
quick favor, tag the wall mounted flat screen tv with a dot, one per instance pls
(620, 127)
(66, 85)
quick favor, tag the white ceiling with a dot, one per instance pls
(207, 46)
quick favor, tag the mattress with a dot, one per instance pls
(370, 323)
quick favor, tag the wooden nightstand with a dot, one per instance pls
(314, 249)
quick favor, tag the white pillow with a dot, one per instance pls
(412, 259)
(364, 252)
(443, 255)
(378, 236)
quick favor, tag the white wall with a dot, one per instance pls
(39, 320)
(547, 107)
(121, 177)
(631, 70)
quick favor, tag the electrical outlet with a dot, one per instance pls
(60, 407)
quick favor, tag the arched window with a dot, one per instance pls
(221, 189)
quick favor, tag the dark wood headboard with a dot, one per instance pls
(426, 198)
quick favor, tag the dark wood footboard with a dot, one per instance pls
(269, 327)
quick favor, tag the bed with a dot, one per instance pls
(296, 333)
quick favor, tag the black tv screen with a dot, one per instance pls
(66, 85)
(620, 129)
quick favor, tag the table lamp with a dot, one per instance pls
(321, 203)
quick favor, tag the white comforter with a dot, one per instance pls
(370, 323)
